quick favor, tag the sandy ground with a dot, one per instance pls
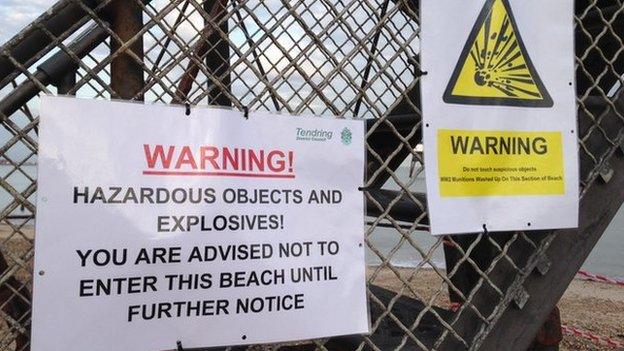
(595, 307)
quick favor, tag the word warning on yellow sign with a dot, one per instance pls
(499, 115)
(494, 67)
(490, 163)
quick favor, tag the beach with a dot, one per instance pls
(596, 307)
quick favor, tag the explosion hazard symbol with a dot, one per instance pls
(494, 67)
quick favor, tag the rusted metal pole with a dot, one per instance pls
(218, 57)
(126, 72)
(199, 51)
(52, 70)
(34, 40)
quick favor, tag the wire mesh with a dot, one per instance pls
(355, 58)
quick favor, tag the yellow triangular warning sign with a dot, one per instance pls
(494, 67)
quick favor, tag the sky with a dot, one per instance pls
(16, 14)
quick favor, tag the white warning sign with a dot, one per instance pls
(499, 115)
(211, 229)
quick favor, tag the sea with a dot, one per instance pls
(607, 258)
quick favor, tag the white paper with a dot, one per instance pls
(88, 143)
(546, 28)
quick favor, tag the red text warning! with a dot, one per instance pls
(213, 161)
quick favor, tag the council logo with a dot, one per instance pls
(346, 136)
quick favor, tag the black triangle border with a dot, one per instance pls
(501, 101)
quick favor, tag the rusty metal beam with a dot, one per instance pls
(127, 79)
(218, 58)
(517, 328)
(52, 70)
(33, 41)
(200, 49)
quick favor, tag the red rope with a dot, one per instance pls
(599, 278)
(596, 339)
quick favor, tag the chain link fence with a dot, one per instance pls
(352, 58)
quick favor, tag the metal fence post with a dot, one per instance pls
(218, 58)
(126, 73)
